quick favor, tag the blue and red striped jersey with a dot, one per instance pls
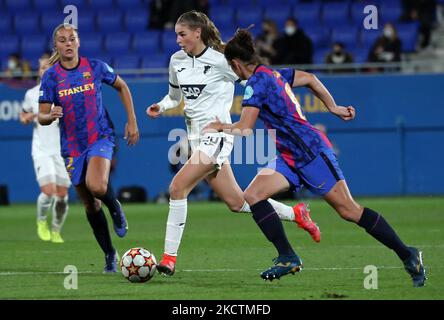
(297, 141)
(79, 92)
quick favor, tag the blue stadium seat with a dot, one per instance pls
(6, 23)
(390, 12)
(26, 23)
(108, 59)
(18, 5)
(368, 37)
(146, 42)
(308, 14)
(51, 19)
(319, 55)
(109, 21)
(91, 44)
(346, 35)
(278, 14)
(131, 4)
(127, 62)
(252, 16)
(319, 35)
(80, 4)
(268, 4)
(33, 45)
(136, 20)
(9, 44)
(33, 60)
(117, 43)
(408, 34)
(102, 4)
(155, 61)
(86, 22)
(227, 33)
(222, 16)
(360, 55)
(169, 44)
(334, 14)
(46, 5)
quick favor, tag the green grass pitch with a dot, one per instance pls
(222, 254)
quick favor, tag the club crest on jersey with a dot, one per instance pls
(207, 69)
(87, 75)
(192, 91)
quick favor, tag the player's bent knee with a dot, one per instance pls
(235, 206)
(98, 189)
(348, 214)
(177, 192)
(252, 197)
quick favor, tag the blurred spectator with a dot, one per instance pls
(386, 48)
(294, 47)
(265, 42)
(160, 13)
(339, 55)
(424, 12)
(16, 67)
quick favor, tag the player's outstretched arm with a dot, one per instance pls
(131, 128)
(244, 127)
(47, 114)
(309, 80)
(170, 101)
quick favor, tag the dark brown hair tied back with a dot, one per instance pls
(241, 47)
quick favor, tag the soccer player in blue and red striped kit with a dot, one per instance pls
(71, 91)
(305, 157)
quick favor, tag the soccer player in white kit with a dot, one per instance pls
(200, 73)
(49, 166)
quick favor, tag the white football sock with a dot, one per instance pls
(43, 204)
(283, 211)
(59, 212)
(177, 217)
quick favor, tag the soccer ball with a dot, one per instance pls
(138, 265)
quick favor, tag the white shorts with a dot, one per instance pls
(217, 146)
(51, 169)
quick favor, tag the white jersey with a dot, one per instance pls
(206, 82)
(45, 139)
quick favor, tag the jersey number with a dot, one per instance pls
(295, 101)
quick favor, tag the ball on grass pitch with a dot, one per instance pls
(138, 265)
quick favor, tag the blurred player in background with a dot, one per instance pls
(48, 165)
(202, 75)
(73, 85)
(306, 157)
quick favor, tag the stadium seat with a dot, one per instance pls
(51, 19)
(390, 12)
(319, 35)
(307, 14)
(127, 62)
(278, 14)
(46, 5)
(33, 45)
(102, 5)
(80, 4)
(169, 44)
(131, 4)
(18, 5)
(109, 21)
(267, 4)
(136, 20)
(319, 55)
(346, 35)
(155, 61)
(6, 23)
(86, 22)
(90, 44)
(227, 33)
(9, 44)
(408, 34)
(360, 55)
(247, 18)
(26, 23)
(117, 43)
(334, 14)
(222, 16)
(368, 37)
(146, 42)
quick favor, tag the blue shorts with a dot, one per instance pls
(319, 176)
(76, 166)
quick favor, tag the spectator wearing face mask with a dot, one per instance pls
(339, 55)
(17, 68)
(294, 46)
(386, 48)
(265, 42)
